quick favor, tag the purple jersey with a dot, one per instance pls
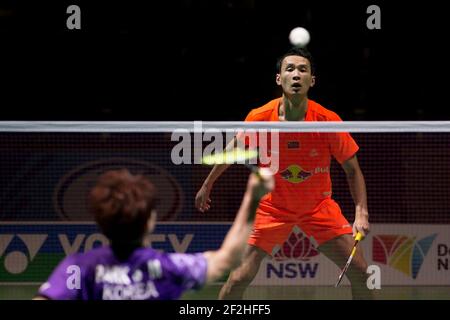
(146, 275)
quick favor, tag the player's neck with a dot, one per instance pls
(123, 250)
(293, 109)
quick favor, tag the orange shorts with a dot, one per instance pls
(271, 230)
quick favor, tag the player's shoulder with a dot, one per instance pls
(264, 112)
(91, 257)
(185, 259)
(147, 254)
(106, 255)
(320, 113)
(75, 261)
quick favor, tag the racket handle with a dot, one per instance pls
(359, 236)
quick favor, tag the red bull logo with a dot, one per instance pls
(295, 174)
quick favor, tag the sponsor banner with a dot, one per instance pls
(30, 250)
(407, 254)
(54, 186)
(410, 254)
(296, 262)
(72, 188)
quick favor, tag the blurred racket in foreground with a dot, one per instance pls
(358, 238)
(240, 156)
(233, 156)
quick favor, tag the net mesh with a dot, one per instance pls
(46, 177)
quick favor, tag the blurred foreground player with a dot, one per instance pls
(123, 205)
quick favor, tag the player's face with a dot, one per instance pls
(295, 76)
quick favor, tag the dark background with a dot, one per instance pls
(215, 60)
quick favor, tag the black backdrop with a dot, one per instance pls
(214, 60)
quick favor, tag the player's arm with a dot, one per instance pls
(230, 253)
(202, 199)
(358, 191)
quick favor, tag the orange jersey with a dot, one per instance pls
(303, 183)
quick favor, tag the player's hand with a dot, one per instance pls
(261, 183)
(361, 223)
(202, 200)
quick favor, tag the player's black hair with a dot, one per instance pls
(296, 51)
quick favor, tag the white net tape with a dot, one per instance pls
(201, 126)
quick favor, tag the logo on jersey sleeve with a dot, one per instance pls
(295, 174)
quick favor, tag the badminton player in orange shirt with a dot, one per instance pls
(302, 194)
